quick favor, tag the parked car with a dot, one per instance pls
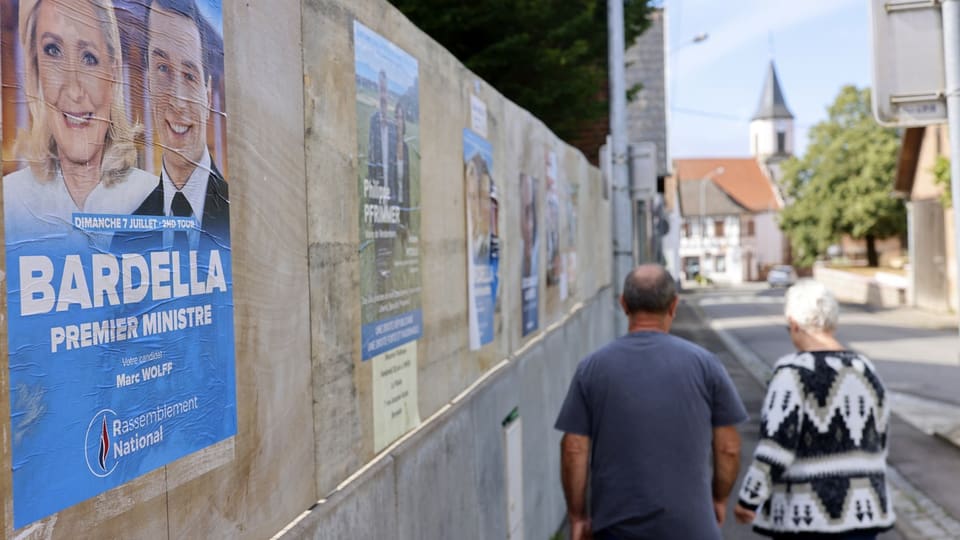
(781, 276)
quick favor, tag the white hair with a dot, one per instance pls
(812, 306)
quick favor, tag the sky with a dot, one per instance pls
(818, 46)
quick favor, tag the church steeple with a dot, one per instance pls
(772, 104)
(771, 128)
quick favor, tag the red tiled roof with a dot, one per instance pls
(741, 178)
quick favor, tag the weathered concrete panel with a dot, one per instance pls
(487, 408)
(330, 140)
(361, 510)
(269, 481)
(436, 492)
(542, 369)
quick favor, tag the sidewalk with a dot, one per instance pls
(689, 326)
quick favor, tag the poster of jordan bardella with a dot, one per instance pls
(116, 210)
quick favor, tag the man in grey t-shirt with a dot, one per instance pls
(643, 419)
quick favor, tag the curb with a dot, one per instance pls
(918, 517)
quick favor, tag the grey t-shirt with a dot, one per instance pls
(649, 402)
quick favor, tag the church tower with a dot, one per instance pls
(771, 128)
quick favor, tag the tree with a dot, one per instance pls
(547, 56)
(842, 184)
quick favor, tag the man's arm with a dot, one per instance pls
(726, 465)
(574, 464)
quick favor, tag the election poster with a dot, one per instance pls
(388, 135)
(530, 254)
(395, 409)
(117, 235)
(552, 226)
(571, 202)
(483, 240)
(571, 199)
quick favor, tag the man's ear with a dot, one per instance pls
(673, 306)
(623, 305)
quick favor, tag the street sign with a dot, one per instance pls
(908, 65)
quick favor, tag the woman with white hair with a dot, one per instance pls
(819, 470)
(79, 145)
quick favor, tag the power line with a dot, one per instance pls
(708, 114)
(722, 116)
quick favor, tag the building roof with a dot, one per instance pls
(741, 179)
(715, 201)
(907, 161)
(772, 104)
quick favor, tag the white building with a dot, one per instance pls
(726, 209)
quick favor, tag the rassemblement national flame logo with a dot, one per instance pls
(97, 445)
(104, 445)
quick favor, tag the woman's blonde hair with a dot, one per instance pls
(35, 144)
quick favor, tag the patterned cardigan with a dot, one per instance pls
(820, 465)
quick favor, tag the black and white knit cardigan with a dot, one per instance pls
(820, 465)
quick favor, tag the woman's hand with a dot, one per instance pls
(744, 516)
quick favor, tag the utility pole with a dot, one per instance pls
(621, 208)
(950, 12)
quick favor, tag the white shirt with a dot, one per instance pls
(44, 210)
(195, 190)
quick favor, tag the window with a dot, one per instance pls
(720, 263)
(750, 229)
(718, 228)
(781, 142)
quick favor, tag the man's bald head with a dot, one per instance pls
(649, 288)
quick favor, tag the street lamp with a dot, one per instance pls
(699, 38)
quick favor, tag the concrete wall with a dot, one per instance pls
(881, 290)
(305, 428)
(446, 479)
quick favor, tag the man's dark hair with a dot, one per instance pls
(188, 9)
(649, 292)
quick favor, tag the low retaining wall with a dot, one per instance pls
(881, 290)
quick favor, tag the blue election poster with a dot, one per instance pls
(530, 278)
(117, 232)
(388, 139)
(483, 240)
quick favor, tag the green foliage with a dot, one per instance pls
(842, 184)
(548, 56)
(941, 177)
